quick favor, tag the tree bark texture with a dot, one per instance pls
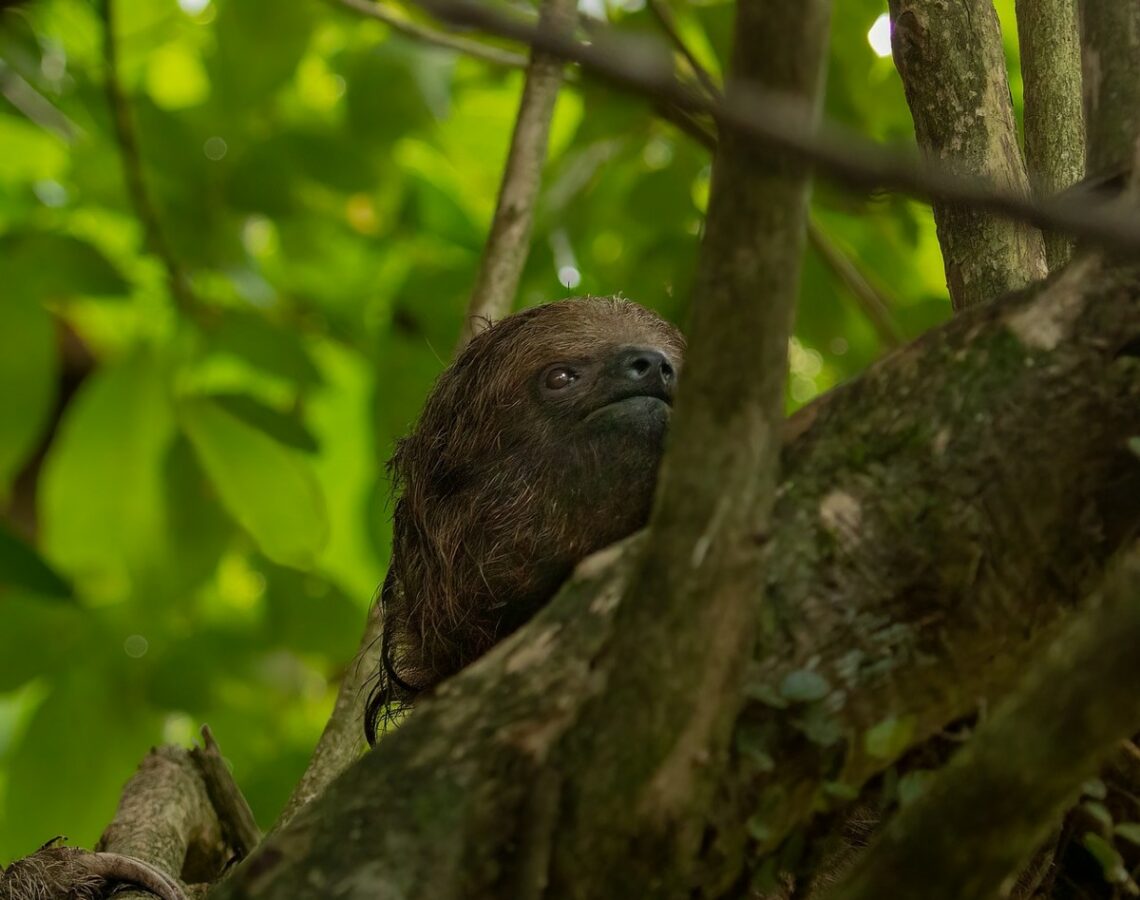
(950, 56)
(1110, 42)
(686, 626)
(937, 519)
(165, 818)
(1054, 116)
(999, 798)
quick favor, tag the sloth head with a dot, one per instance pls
(537, 447)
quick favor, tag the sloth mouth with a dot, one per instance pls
(651, 400)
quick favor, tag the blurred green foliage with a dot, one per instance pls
(195, 510)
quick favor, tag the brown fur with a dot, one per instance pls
(502, 492)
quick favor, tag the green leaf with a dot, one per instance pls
(101, 496)
(261, 344)
(1129, 831)
(1111, 863)
(269, 490)
(913, 785)
(57, 266)
(804, 686)
(29, 365)
(890, 737)
(22, 567)
(282, 427)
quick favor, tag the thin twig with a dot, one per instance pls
(230, 804)
(342, 742)
(132, 166)
(774, 117)
(664, 16)
(874, 305)
(508, 243)
(871, 301)
(419, 32)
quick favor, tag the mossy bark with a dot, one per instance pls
(950, 56)
(1110, 44)
(937, 520)
(1054, 116)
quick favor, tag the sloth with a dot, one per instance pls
(538, 446)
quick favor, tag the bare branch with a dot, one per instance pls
(952, 63)
(342, 742)
(1054, 118)
(871, 301)
(508, 244)
(775, 117)
(664, 16)
(408, 28)
(238, 824)
(166, 820)
(1000, 796)
(1110, 52)
(133, 169)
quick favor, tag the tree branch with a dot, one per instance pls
(868, 298)
(1054, 119)
(238, 824)
(1110, 52)
(1000, 796)
(166, 820)
(342, 741)
(935, 521)
(952, 63)
(508, 244)
(141, 200)
(686, 624)
(771, 116)
(414, 30)
(664, 16)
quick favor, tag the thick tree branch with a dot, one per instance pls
(140, 197)
(165, 819)
(952, 64)
(508, 244)
(685, 627)
(1110, 51)
(937, 519)
(1054, 119)
(1000, 796)
(414, 30)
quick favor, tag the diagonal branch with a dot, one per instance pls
(871, 302)
(774, 116)
(925, 544)
(408, 28)
(508, 243)
(999, 797)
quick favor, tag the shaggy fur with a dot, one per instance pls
(503, 488)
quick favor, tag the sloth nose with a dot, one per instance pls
(647, 367)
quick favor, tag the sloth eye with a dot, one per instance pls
(560, 377)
